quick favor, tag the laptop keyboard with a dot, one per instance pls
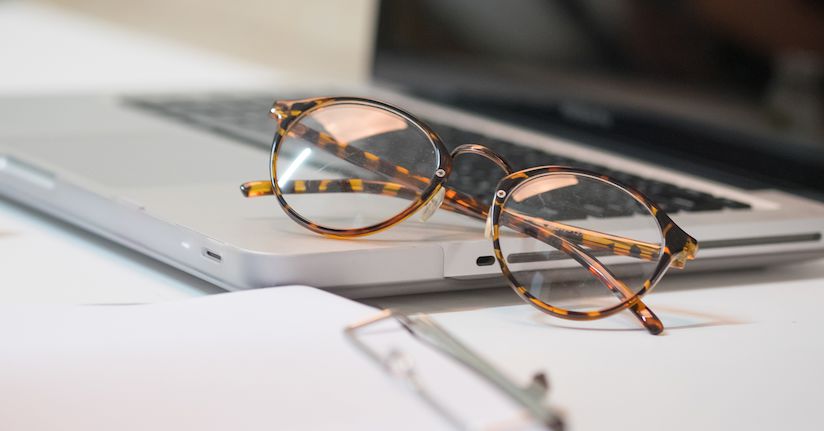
(246, 119)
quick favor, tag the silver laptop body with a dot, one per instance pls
(169, 188)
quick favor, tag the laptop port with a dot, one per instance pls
(485, 260)
(212, 255)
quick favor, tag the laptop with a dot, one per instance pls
(718, 135)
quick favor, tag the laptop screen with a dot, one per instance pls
(726, 88)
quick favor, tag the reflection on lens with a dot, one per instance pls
(555, 226)
(354, 165)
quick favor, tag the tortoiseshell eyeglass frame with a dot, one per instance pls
(431, 193)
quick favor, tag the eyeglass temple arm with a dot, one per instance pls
(531, 398)
(464, 204)
(617, 245)
(644, 314)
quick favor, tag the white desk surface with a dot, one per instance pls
(743, 349)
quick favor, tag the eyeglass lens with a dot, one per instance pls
(552, 208)
(354, 165)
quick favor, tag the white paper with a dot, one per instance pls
(266, 359)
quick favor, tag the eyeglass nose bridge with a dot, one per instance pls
(484, 152)
(495, 158)
(477, 149)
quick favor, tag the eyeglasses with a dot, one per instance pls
(346, 167)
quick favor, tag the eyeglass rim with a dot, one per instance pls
(301, 108)
(676, 241)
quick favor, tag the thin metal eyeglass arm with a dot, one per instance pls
(425, 329)
(395, 364)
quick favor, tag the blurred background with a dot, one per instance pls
(301, 36)
(324, 39)
(732, 85)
